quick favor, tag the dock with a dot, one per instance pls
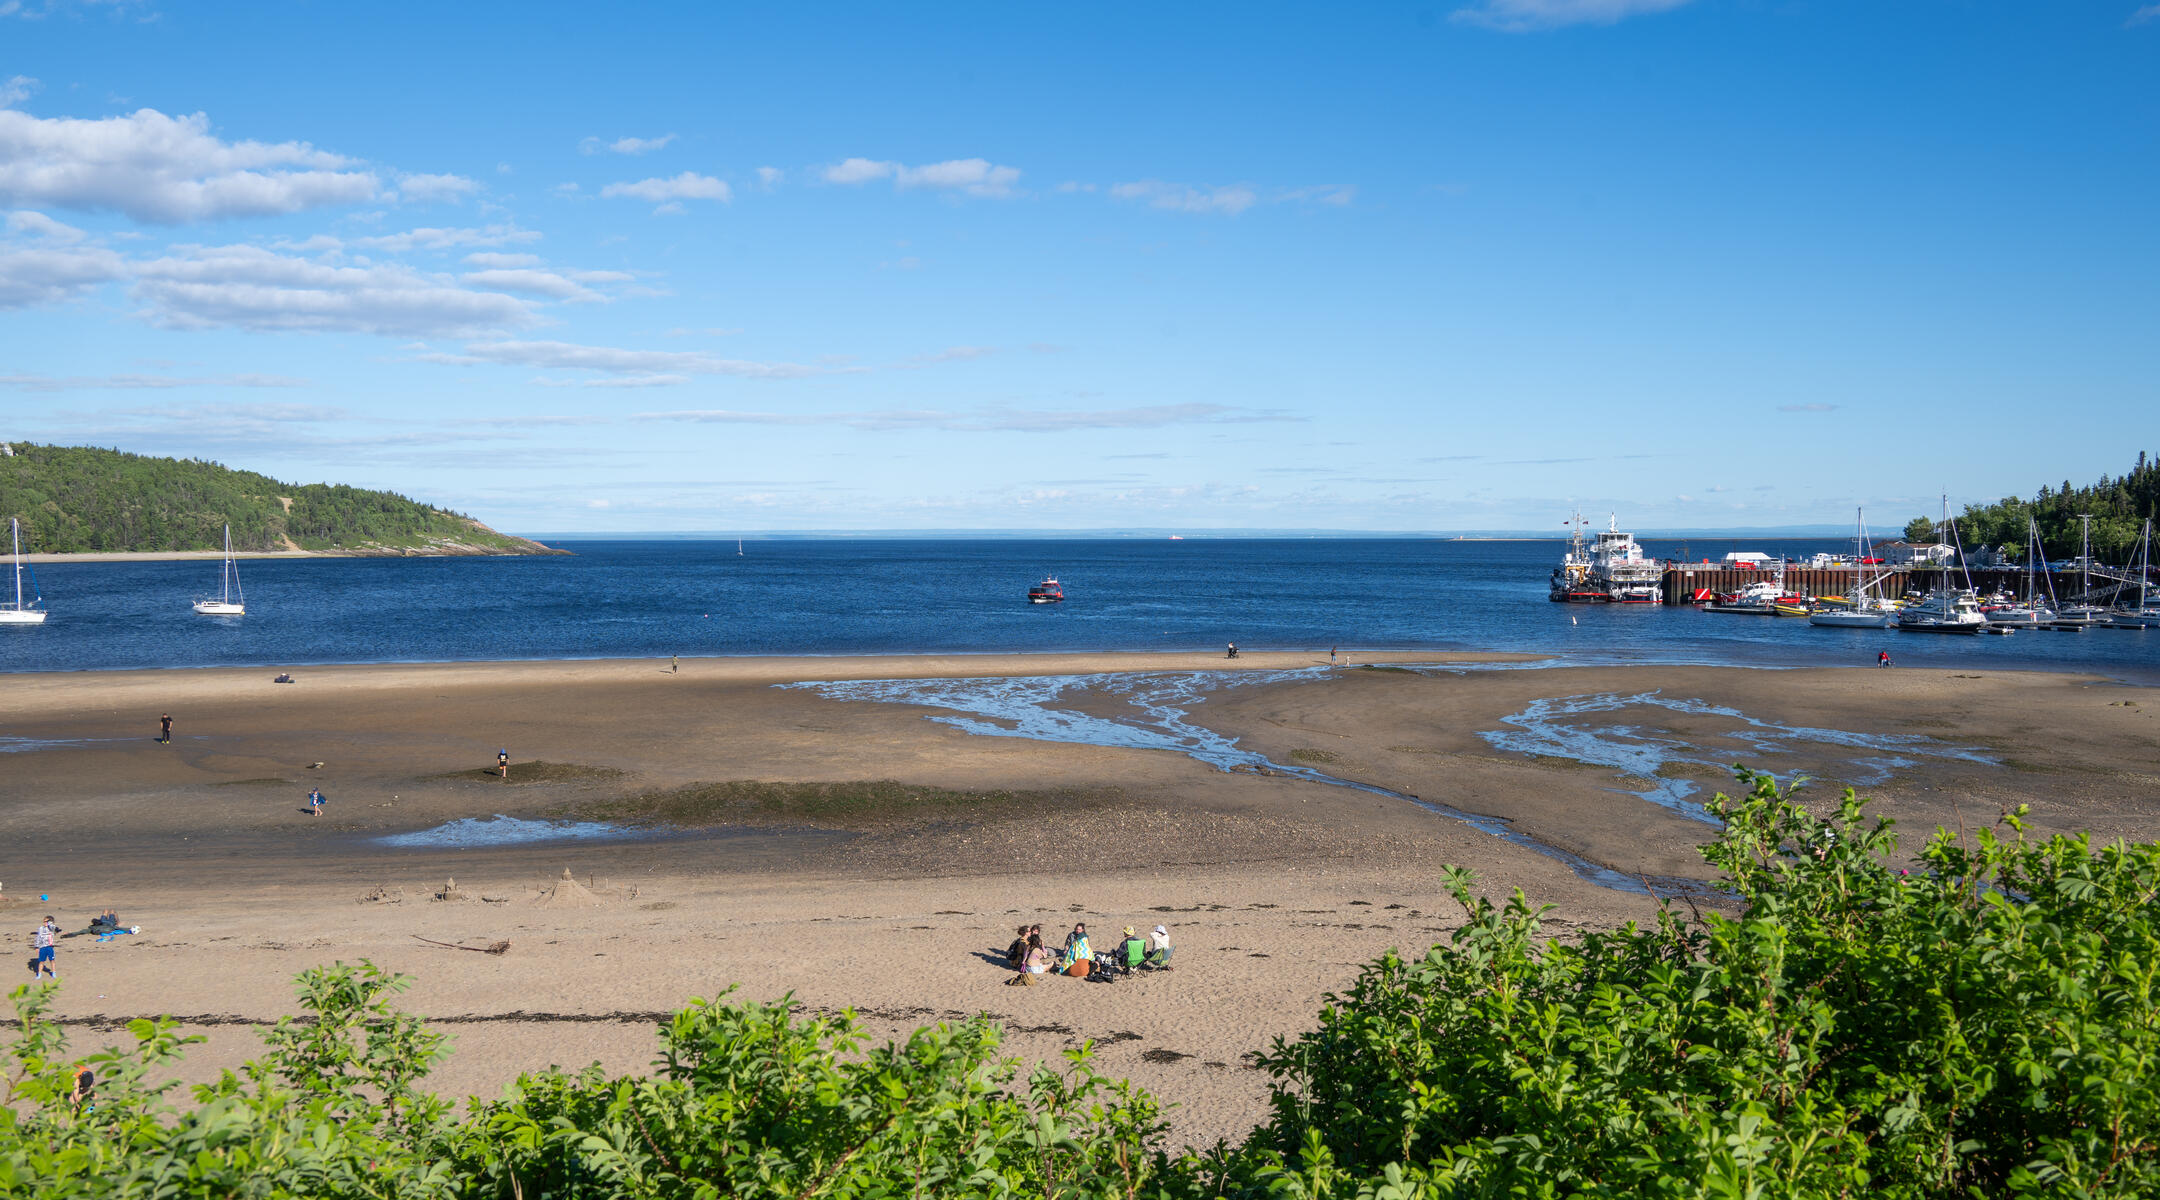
(1682, 582)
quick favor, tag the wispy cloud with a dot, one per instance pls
(987, 420)
(1179, 197)
(15, 89)
(668, 193)
(625, 145)
(2150, 12)
(446, 239)
(1531, 16)
(248, 287)
(972, 176)
(91, 383)
(43, 261)
(673, 365)
(168, 170)
(422, 189)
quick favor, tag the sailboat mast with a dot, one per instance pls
(15, 533)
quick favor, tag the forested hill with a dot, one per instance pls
(2119, 509)
(75, 499)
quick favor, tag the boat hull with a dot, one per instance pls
(22, 616)
(1854, 620)
(220, 608)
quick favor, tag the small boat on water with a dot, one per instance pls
(1856, 609)
(2146, 615)
(1049, 591)
(1754, 600)
(229, 602)
(18, 612)
(1951, 610)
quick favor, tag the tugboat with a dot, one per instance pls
(1046, 592)
(1571, 583)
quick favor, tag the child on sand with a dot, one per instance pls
(315, 801)
(43, 939)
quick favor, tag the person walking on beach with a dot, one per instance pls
(43, 940)
(165, 729)
(1882, 659)
(674, 664)
(315, 801)
(1233, 651)
(502, 763)
(1331, 656)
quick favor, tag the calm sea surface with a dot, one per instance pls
(622, 599)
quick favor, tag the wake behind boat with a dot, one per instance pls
(229, 602)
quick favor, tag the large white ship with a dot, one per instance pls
(1619, 568)
(1609, 569)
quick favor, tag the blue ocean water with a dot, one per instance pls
(623, 599)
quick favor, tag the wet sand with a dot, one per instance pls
(891, 889)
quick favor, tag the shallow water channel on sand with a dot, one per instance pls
(1151, 713)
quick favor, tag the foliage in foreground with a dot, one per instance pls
(1985, 1025)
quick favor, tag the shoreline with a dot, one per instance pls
(808, 839)
(133, 556)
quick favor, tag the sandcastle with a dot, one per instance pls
(567, 892)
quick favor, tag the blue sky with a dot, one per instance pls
(1465, 265)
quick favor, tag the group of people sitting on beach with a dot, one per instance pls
(1029, 956)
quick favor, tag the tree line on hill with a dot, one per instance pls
(2119, 508)
(1983, 1022)
(75, 499)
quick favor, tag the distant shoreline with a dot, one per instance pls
(118, 556)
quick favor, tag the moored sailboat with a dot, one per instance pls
(229, 602)
(18, 612)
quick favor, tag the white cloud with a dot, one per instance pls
(1529, 16)
(860, 170)
(83, 383)
(987, 420)
(627, 381)
(44, 261)
(1807, 408)
(167, 170)
(16, 89)
(770, 177)
(447, 239)
(614, 361)
(667, 192)
(492, 261)
(1179, 197)
(627, 145)
(422, 189)
(2150, 12)
(1339, 195)
(534, 281)
(974, 176)
(247, 287)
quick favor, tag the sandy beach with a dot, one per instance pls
(855, 853)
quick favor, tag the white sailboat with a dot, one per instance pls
(1946, 609)
(1864, 611)
(2084, 614)
(19, 613)
(2145, 615)
(2031, 613)
(229, 601)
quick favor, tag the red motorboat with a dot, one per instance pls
(1046, 592)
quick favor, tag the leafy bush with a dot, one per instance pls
(1984, 1024)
